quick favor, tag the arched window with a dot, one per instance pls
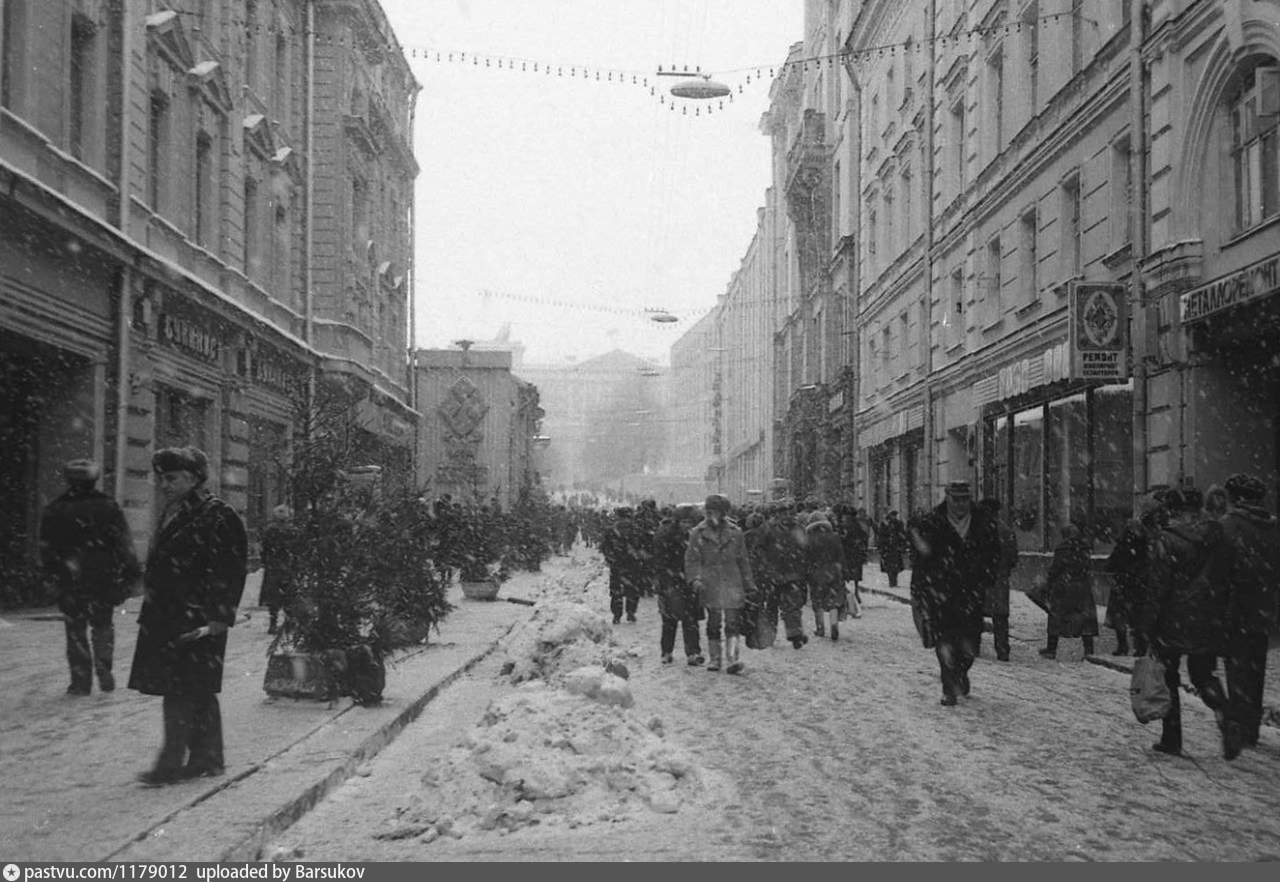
(1254, 108)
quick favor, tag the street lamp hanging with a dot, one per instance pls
(696, 85)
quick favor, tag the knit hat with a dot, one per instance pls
(81, 471)
(182, 459)
(1246, 488)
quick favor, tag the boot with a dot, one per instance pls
(735, 666)
(1088, 646)
(713, 648)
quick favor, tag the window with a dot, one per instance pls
(204, 184)
(908, 70)
(836, 219)
(904, 335)
(875, 115)
(1121, 191)
(280, 83)
(1254, 116)
(13, 25)
(359, 214)
(1031, 26)
(1071, 257)
(80, 84)
(1066, 467)
(251, 44)
(888, 224)
(281, 257)
(908, 222)
(1077, 36)
(995, 97)
(158, 141)
(993, 290)
(886, 348)
(1029, 271)
(872, 232)
(953, 318)
(1026, 514)
(252, 210)
(957, 139)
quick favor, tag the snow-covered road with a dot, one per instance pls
(838, 751)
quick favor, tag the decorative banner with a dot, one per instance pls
(1099, 336)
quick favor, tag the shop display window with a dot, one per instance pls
(1112, 462)
(1066, 478)
(1026, 513)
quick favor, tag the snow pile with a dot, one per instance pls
(560, 636)
(544, 756)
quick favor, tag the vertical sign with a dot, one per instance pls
(1099, 336)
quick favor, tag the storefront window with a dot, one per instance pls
(997, 484)
(1026, 514)
(1066, 467)
(1112, 462)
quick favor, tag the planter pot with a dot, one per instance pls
(313, 675)
(480, 590)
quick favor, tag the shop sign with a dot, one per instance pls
(1049, 366)
(1099, 336)
(183, 333)
(1251, 283)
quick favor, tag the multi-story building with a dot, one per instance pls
(161, 280)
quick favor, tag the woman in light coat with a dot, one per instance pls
(716, 566)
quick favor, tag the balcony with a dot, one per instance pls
(807, 157)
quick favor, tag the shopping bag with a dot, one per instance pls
(1148, 692)
(1038, 593)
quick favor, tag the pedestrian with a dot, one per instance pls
(88, 558)
(1215, 501)
(1072, 611)
(785, 553)
(716, 565)
(893, 546)
(194, 580)
(278, 555)
(854, 540)
(957, 550)
(995, 603)
(621, 547)
(1129, 565)
(677, 602)
(1252, 535)
(761, 620)
(824, 571)
(1186, 610)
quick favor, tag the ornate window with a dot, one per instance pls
(1255, 163)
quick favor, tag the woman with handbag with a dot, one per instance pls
(1072, 612)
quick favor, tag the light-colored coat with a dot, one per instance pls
(716, 564)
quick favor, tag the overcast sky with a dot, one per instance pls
(586, 193)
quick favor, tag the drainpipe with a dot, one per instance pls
(926, 311)
(1138, 237)
(126, 272)
(307, 331)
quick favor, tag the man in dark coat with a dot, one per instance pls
(995, 603)
(784, 553)
(86, 553)
(855, 540)
(195, 576)
(620, 546)
(893, 546)
(1253, 590)
(1185, 612)
(278, 552)
(957, 549)
(1129, 565)
(677, 602)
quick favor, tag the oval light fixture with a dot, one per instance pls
(661, 316)
(701, 88)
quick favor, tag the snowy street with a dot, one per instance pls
(838, 751)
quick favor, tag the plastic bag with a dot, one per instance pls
(1148, 692)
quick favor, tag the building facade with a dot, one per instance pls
(156, 248)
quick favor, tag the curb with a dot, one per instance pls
(250, 847)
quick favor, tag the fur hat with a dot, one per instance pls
(719, 502)
(1184, 499)
(182, 459)
(81, 471)
(1246, 488)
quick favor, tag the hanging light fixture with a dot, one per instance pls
(695, 84)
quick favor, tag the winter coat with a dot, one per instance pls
(86, 553)
(1186, 604)
(853, 541)
(1129, 565)
(824, 566)
(716, 564)
(1072, 611)
(995, 601)
(622, 547)
(759, 554)
(278, 555)
(675, 598)
(1253, 578)
(893, 546)
(195, 576)
(948, 580)
(785, 550)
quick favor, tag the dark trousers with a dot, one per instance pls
(192, 732)
(956, 651)
(688, 625)
(1246, 669)
(624, 594)
(893, 577)
(1000, 634)
(1200, 669)
(83, 661)
(732, 619)
(791, 600)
